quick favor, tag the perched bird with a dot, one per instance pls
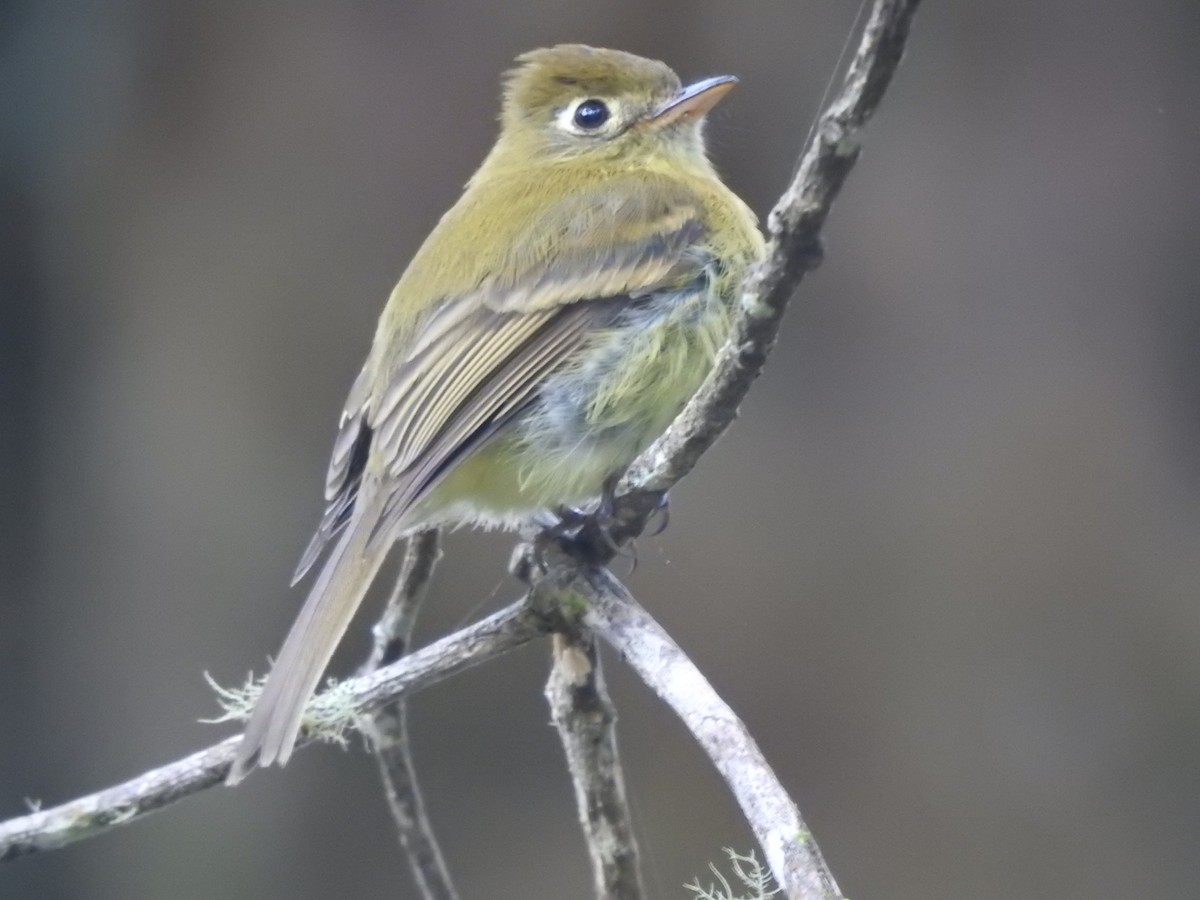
(550, 327)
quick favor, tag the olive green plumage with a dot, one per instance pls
(550, 327)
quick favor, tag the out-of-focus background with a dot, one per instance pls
(947, 565)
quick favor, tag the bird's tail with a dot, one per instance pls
(331, 604)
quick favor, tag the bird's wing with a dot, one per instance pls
(344, 475)
(479, 358)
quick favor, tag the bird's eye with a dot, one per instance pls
(591, 114)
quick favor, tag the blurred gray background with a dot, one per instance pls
(946, 564)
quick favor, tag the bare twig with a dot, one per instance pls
(388, 728)
(394, 630)
(586, 721)
(791, 853)
(96, 813)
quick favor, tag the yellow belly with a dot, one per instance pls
(591, 418)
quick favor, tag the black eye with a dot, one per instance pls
(591, 114)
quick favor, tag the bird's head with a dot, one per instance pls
(572, 101)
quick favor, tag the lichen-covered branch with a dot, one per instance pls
(88, 816)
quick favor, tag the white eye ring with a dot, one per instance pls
(571, 118)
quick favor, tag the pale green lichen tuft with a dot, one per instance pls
(332, 713)
(236, 703)
(747, 870)
(329, 715)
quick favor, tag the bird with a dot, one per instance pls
(551, 326)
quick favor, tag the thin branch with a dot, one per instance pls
(394, 630)
(793, 250)
(792, 855)
(586, 720)
(96, 813)
(388, 728)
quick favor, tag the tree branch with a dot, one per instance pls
(791, 853)
(96, 813)
(388, 728)
(586, 720)
(793, 249)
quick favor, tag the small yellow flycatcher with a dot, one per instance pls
(552, 325)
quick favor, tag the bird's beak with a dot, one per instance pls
(693, 101)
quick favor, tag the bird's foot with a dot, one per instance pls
(584, 534)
